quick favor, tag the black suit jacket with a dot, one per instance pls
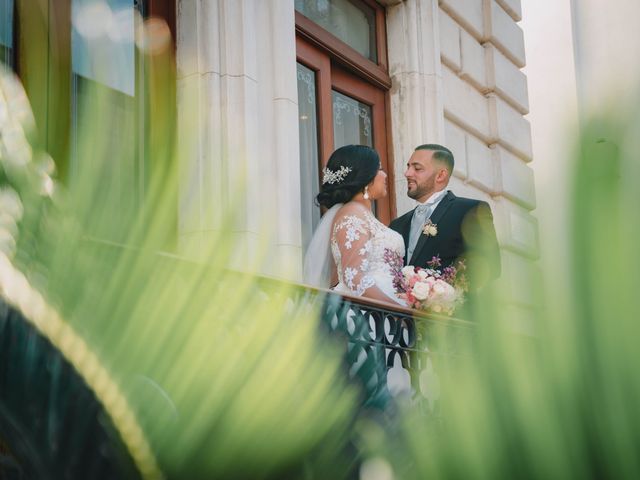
(465, 231)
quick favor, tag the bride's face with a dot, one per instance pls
(378, 187)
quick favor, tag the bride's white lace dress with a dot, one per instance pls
(367, 254)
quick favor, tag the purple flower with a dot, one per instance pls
(395, 263)
(434, 263)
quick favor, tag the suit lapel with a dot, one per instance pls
(442, 207)
(435, 217)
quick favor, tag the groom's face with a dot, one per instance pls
(421, 175)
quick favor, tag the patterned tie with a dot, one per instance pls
(417, 222)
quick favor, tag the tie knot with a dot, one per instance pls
(422, 209)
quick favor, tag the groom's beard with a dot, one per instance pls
(423, 189)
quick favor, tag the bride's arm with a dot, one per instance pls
(353, 238)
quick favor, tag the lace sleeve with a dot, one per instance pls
(353, 240)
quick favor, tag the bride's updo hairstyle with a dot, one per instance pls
(348, 171)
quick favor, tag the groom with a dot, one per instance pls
(445, 225)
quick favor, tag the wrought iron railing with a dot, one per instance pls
(393, 351)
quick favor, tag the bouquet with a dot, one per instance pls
(432, 289)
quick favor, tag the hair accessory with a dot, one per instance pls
(366, 192)
(331, 177)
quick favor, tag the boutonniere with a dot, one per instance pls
(430, 229)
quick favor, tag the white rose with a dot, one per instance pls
(449, 292)
(422, 274)
(444, 296)
(407, 271)
(421, 290)
(439, 287)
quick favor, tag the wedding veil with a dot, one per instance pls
(318, 259)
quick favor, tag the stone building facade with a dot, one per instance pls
(266, 89)
(455, 78)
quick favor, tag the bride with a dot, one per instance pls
(350, 245)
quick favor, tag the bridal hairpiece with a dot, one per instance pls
(331, 177)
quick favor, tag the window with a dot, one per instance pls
(352, 21)
(342, 91)
(107, 67)
(308, 131)
(7, 22)
(103, 69)
(66, 49)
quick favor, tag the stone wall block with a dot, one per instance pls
(449, 41)
(454, 140)
(465, 105)
(480, 164)
(509, 127)
(502, 31)
(513, 8)
(514, 179)
(462, 188)
(468, 13)
(506, 79)
(516, 228)
(473, 61)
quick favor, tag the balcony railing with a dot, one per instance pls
(393, 351)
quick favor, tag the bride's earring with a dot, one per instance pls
(366, 192)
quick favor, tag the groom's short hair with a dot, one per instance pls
(440, 153)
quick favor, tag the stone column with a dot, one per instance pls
(237, 105)
(416, 76)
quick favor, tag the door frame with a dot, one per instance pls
(332, 75)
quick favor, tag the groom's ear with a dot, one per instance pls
(442, 175)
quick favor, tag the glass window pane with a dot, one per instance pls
(351, 121)
(102, 42)
(113, 113)
(352, 124)
(103, 95)
(6, 32)
(352, 21)
(309, 180)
